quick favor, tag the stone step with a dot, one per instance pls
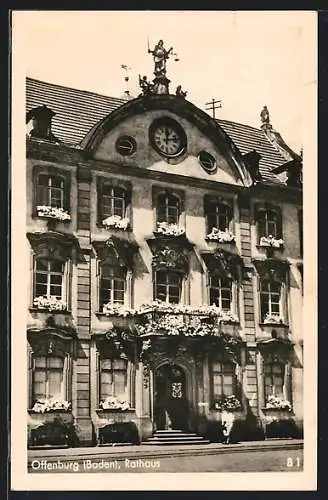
(175, 436)
(176, 442)
(165, 431)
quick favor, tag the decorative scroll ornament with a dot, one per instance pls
(223, 263)
(52, 244)
(117, 251)
(170, 258)
(272, 269)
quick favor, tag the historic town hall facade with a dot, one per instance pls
(165, 280)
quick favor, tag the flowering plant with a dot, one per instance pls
(163, 307)
(49, 303)
(279, 403)
(117, 310)
(227, 403)
(166, 229)
(53, 213)
(114, 403)
(183, 320)
(220, 236)
(116, 222)
(45, 405)
(271, 241)
(274, 319)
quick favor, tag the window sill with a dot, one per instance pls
(52, 219)
(271, 248)
(48, 311)
(210, 240)
(116, 229)
(114, 410)
(52, 412)
(276, 325)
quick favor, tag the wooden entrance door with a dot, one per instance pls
(171, 403)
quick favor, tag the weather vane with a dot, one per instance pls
(126, 79)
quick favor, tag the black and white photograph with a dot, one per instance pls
(161, 320)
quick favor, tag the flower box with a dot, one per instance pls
(278, 403)
(116, 222)
(51, 304)
(228, 403)
(37, 418)
(273, 319)
(271, 242)
(219, 236)
(58, 214)
(166, 229)
(51, 405)
(115, 403)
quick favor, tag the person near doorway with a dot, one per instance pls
(227, 421)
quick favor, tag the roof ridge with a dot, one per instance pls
(90, 92)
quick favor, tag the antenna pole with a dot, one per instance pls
(211, 106)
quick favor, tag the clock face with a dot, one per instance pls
(168, 138)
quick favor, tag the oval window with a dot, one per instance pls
(207, 161)
(126, 145)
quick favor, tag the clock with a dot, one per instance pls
(168, 137)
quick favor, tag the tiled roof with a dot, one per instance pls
(77, 111)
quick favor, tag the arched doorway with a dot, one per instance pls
(171, 401)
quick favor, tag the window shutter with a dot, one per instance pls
(67, 193)
(99, 201)
(279, 224)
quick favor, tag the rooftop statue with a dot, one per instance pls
(160, 55)
(180, 93)
(146, 87)
(265, 116)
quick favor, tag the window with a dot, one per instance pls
(269, 223)
(270, 296)
(49, 278)
(223, 377)
(218, 216)
(113, 377)
(168, 209)
(274, 379)
(113, 201)
(50, 191)
(48, 377)
(221, 292)
(168, 286)
(112, 285)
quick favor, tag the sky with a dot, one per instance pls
(245, 59)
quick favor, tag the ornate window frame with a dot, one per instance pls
(47, 342)
(158, 191)
(224, 264)
(53, 245)
(114, 183)
(52, 171)
(262, 209)
(105, 349)
(116, 253)
(224, 358)
(277, 271)
(219, 201)
(275, 352)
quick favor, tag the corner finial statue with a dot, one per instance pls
(160, 55)
(265, 116)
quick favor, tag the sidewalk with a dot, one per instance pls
(151, 450)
